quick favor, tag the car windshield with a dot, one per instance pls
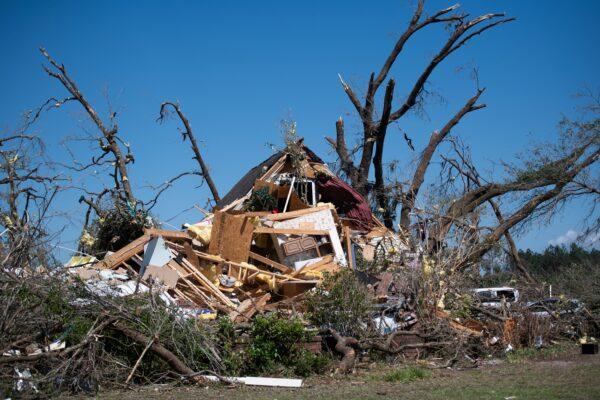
(509, 295)
(495, 295)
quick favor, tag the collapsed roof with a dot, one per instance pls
(351, 205)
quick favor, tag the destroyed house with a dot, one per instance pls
(285, 224)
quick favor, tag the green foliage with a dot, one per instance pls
(550, 171)
(260, 200)
(558, 258)
(118, 225)
(572, 271)
(340, 302)
(407, 374)
(275, 346)
(233, 359)
(460, 305)
(379, 263)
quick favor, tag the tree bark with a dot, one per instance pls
(343, 346)
(434, 141)
(164, 353)
(197, 156)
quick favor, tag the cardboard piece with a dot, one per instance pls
(85, 273)
(166, 275)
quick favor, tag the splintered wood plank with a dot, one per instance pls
(275, 168)
(294, 288)
(191, 256)
(249, 307)
(190, 285)
(125, 253)
(208, 284)
(348, 247)
(167, 234)
(129, 268)
(283, 268)
(309, 267)
(249, 268)
(210, 257)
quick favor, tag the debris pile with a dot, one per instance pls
(291, 248)
(284, 225)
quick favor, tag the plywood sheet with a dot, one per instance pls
(231, 237)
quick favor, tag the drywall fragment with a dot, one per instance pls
(167, 276)
(156, 252)
(259, 381)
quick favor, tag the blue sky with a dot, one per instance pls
(238, 68)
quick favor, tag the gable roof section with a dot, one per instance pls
(245, 184)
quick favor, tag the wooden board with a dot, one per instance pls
(231, 236)
(294, 288)
(299, 213)
(112, 261)
(283, 268)
(204, 281)
(248, 308)
(167, 234)
(348, 247)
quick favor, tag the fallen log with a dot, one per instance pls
(343, 346)
(164, 353)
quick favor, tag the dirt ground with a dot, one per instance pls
(568, 375)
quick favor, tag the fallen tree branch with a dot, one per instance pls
(164, 353)
(35, 357)
(343, 346)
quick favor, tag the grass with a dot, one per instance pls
(563, 374)
(407, 374)
(530, 353)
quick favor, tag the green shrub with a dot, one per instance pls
(342, 303)
(275, 347)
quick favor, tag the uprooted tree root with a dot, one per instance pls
(343, 346)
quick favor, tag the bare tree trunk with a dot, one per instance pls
(197, 156)
(513, 251)
(164, 353)
(425, 160)
(110, 142)
(528, 208)
(343, 346)
(374, 132)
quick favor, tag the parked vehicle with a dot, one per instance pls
(494, 296)
(557, 305)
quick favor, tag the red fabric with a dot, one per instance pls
(348, 201)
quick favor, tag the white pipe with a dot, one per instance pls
(287, 200)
